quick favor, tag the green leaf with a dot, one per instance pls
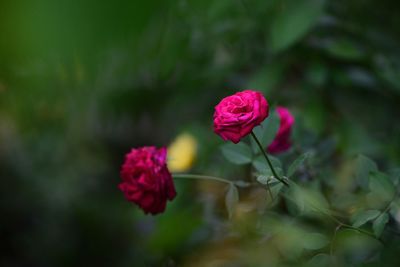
(317, 74)
(296, 197)
(267, 78)
(162, 236)
(394, 175)
(345, 49)
(266, 131)
(237, 153)
(381, 186)
(293, 21)
(308, 200)
(379, 224)
(231, 199)
(316, 201)
(361, 77)
(389, 71)
(261, 165)
(362, 247)
(268, 180)
(314, 241)
(262, 179)
(320, 260)
(274, 186)
(363, 217)
(364, 166)
(315, 115)
(297, 163)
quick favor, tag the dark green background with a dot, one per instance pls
(81, 82)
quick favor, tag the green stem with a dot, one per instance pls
(202, 177)
(268, 161)
(361, 231)
(213, 178)
(344, 225)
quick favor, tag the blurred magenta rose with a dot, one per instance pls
(282, 139)
(236, 115)
(146, 180)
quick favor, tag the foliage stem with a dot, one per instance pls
(344, 225)
(268, 161)
(201, 177)
(213, 178)
(348, 226)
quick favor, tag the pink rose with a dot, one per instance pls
(236, 115)
(282, 138)
(146, 180)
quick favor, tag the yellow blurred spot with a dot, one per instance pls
(182, 152)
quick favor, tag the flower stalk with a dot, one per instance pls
(268, 161)
(212, 178)
(201, 177)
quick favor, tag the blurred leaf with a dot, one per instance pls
(389, 71)
(290, 240)
(317, 74)
(364, 166)
(218, 8)
(316, 201)
(272, 185)
(261, 165)
(262, 179)
(395, 207)
(276, 188)
(266, 131)
(162, 236)
(345, 49)
(379, 224)
(381, 186)
(320, 260)
(314, 113)
(325, 150)
(239, 153)
(361, 77)
(307, 200)
(314, 241)
(297, 163)
(356, 139)
(295, 200)
(293, 21)
(394, 175)
(267, 78)
(360, 218)
(231, 199)
(356, 247)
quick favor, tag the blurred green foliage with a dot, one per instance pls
(83, 81)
